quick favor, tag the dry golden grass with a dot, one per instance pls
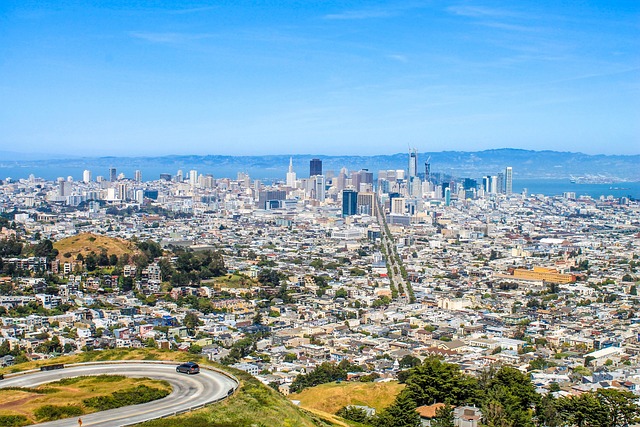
(86, 243)
(330, 397)
(18, 402)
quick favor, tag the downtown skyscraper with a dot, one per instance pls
(508, 180)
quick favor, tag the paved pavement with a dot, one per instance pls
(189, 391)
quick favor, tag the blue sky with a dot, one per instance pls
(276, 77)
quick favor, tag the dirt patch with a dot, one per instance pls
(16, 404)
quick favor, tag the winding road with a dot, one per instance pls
(189, 391)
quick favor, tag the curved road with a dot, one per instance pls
(189, 391)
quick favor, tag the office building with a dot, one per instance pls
(501, 187)
(319, 188)
(122, 191)
(137, 176)
(362, 180)
(490, 184)
(398, 205)
(508, 180)
(267, 198)
(427, 170)
(413, 163)
(291, 175)
(86, 176)
(349, 202)
(366, 203)
(113, 175)
(315, 167)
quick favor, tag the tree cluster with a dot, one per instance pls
(192, 267)
(324, 373)
(507, 398)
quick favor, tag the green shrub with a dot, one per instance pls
(132, 396)
(13, 420)
(53, 412)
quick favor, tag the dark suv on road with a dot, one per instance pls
(188, 368)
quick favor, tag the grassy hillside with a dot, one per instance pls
(330, 397)
(253, 405)
(86, 243)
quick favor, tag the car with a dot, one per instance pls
(188, 368)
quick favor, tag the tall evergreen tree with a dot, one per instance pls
(401, 413)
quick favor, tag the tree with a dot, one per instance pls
(401, 413)
(409, 361)
(622, 407)
(268, 277)
(584, 410)
(324, 373)
(444, 417)
(341, 293)
(216, 264)
(353, 413)
(44, 248)
(547, 412)
(317, 264)
(191, 321)
(257, 319)
(509, 397)
(438, 381)
(127, 284)
(90, 262)
(103, 259)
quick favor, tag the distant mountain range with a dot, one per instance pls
(525, 163)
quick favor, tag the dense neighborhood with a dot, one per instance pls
(278, 280)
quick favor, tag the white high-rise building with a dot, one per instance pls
(86, 176)
(508, 180)
(494, 185)
(319, 187)
(137, 176)
(291, 175)
(398, 205)
(193, 178)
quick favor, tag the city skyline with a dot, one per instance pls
(254, 79)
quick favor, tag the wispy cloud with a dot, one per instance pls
(361, 14)
(511, 27)
(168, 37)
(479, 11)
(376, 12)
(399, 58)
(191, 10)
